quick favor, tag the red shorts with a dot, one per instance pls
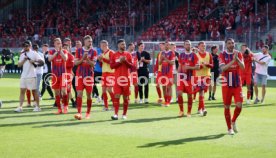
(157, 78)
(85, 83)
(246, 78)
(164, 80)
(108, 79)
(69, 83)
(58, 82)
(185, 87)
(134, 78)
(121, 90)
(203, 83)
(228, 93)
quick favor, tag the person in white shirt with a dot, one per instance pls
(28, 60)
(262, 60)
(39, 69)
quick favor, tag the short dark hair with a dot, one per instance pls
(35, 46)
(139, 44)
(187, 41)
(120, 41)
(266, 46)
(213, 48)
(229, 39)
(130, 44)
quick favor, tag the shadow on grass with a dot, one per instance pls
(181, 141)
(257, 105)
(72, 123)
(34, 114)
(29, 123)
(145, 120)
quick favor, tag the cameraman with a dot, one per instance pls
(29, 61)
(7, 58)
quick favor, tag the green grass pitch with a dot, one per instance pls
(150, 130)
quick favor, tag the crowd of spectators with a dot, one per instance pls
(233, 17)
(110, 17)
(58, 18)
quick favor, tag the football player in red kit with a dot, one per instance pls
(231, 64)
(69, 73)
(167, 61)
(203, 76)
(121, 62)
(188, 63)
(157, 72)
(58, 57)
(107, 73)
(85, 59)
(247, 72)
(133, 70)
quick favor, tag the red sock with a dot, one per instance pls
(58, 102)
(227, 115)
(112, 97)
(201, 103)
(190, 104)
(105, 100)
(236, 113)
(65, 100)
(116, 104)
(159, 92)
(89, 105)
(180, 103)
(79, 104)
(194, 96)
(125, 106)
(28, 94)
(169, 98)
(136, 89)
(248, 95)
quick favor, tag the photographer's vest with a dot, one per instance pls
(204, 71)
(16, 59)
(8, 61)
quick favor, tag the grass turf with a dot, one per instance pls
(149, 131)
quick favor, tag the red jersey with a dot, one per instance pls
(84, 69)
(233, 74)
(121, 69)
(70, 63)
(157, 66)
(135, 62)
(58, 64)
(188, 59)
(247, 63)
(167, 69)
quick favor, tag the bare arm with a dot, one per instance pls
(64, 56)
(51, 57)
(20, 64)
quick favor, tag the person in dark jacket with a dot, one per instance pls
(46, 73)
